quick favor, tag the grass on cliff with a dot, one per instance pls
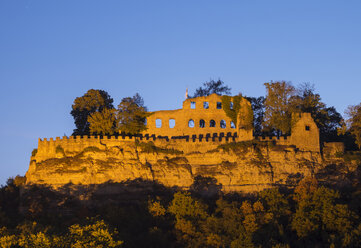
(150, 147)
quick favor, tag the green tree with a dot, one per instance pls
(328, 120)
(318, 216)
(278, 114)
(354, 122)
(189, 214)
(131, 115)
(102, 122)
(258, 108)
(94, 234)
(211, 87)
(92, 101)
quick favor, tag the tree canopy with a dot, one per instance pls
(328, 120)
(354, 122)
(277, 106)
(131, 115)
(283, 99)
(211, 87)
(102, 122)
(92, 101)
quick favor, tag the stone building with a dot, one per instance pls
(205, 116)
(200, 115)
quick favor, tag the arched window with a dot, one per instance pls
(202, 123)
(222, 124)
(191, 123)
(219, 105)
(212, 123)
(158, 123)
(145, 121)
(193, 105)
(171, 123)
(232, 125)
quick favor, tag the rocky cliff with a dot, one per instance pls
(237, 166)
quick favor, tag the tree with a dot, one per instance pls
(354, 122)
(211, 87)
(102, 122)
(277, 106)
(95, 234)
(131, 115)
(327, 119)
(319, 217)
(258, 108)
(91, 102)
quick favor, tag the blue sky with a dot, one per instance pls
(54, 51)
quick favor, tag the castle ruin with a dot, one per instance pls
(201, 125)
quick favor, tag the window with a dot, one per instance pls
(231, 105)
(212, 123)
(223, 124)
(145, 122)
(232, 125)
(219, 105)
(171, 123)
(206, 105)
(307, 128)
(193, 105)
(158, 123)
(191, 123)
(202, 123)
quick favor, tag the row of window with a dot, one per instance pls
(191, 123)
(206, 105)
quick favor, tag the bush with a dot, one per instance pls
(34, 152)
(59, 149)
(19, 180)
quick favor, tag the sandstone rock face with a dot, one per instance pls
(238, 168)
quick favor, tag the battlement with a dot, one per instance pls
(281, 140)
(141, 137)
(201, 125)
(60, 146)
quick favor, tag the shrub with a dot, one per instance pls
(34, 152)
(59, 149)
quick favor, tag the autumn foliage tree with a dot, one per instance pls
(278, 112)
(354, 122)
(102, 122)
(131, 115)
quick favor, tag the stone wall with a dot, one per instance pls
(74, 144)
(193, 119)
(304, 133)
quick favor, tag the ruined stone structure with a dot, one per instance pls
(201, 125)
(183, 143)
(204, 116)
(199, 115)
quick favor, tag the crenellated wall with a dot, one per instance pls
(75, 144)
(201, 136)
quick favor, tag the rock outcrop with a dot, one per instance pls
(238, 166)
